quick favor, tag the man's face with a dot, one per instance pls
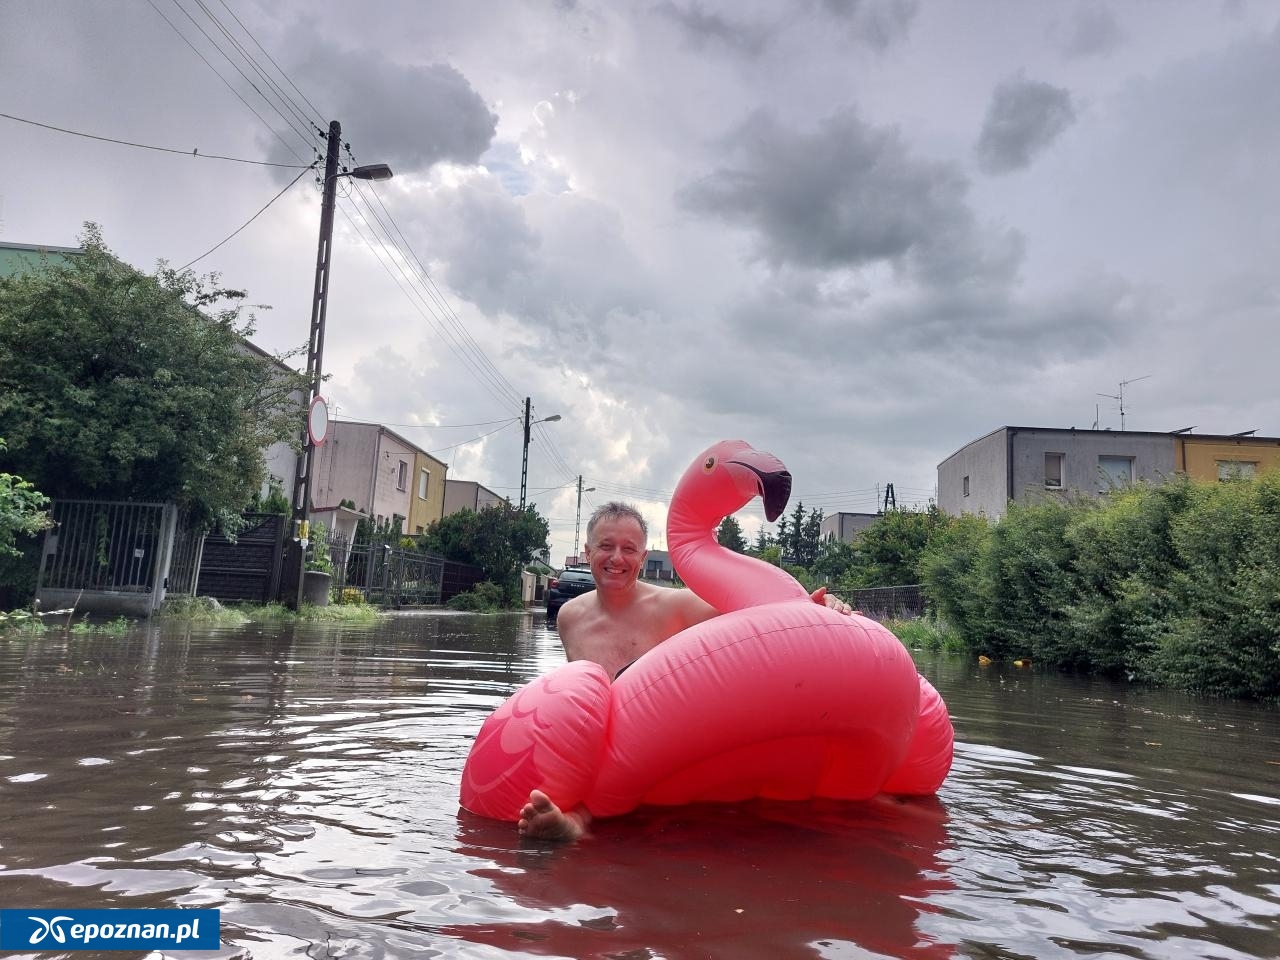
(616, 552)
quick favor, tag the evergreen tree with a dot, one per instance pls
(729, 534)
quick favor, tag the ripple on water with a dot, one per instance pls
(304, 782)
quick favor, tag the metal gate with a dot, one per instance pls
(247, 569)
(107, 556)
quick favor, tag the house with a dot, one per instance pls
(20, 257)
(657, 566)
(1026, 464)
(847, 526)
(1210, 457)
(387, 477)
(427, 504)
(469, 495)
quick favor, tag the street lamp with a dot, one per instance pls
(319, 309)
(524, 464)
(578, 519)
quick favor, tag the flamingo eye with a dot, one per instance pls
(709, 465)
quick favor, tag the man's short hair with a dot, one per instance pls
(614, 510)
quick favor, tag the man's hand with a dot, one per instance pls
(831, 600)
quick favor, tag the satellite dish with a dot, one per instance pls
(318, 420)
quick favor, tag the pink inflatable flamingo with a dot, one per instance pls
(780, 697)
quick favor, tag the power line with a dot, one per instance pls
(249, 33)
(147, 146)
(356, 418)
(235, 66)
(226, 82)
(249, 221)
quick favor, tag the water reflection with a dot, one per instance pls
(744, 880)
(304, 781)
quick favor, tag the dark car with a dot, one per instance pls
(570, 584)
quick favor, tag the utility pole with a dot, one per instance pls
(577, 522)
(524, 463)
(315, 355)
(292, 579)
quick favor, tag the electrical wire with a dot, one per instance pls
(391, 245)
(147, 146)
(249, 221)
(226, 82)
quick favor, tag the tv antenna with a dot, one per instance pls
(1120, 396)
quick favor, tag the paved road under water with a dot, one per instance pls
(304, 782)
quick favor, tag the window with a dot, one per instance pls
(966, 486)
(402, 475)
(1236, 470)
(424, 483)
(1053, 470)
(1114, 472)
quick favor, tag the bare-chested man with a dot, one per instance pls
(619, 621)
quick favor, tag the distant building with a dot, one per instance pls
(1028, 464)
(469, 495)
(657, 566)
(846, 526)
(379, 471)
(426, 505)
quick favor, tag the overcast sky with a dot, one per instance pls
(855, 233)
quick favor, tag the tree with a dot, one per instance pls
(729, 534)
(21, 510)
(762, 542)
(783, 538)
(116, 384)
(498, 540)
(889, 549)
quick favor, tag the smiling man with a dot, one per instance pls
(619, 621)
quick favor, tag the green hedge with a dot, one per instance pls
(1177, 584)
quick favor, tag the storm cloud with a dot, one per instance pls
(1023, 120)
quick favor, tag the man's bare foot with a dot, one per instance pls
(543, 820)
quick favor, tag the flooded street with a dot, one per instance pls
(303, 780)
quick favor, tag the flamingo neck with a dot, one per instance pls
(728, 581)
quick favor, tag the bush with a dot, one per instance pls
(486, 597)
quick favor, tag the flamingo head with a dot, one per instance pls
(727, 475)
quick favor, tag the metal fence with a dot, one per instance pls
(889, 603)
(107, 555)
(387, 575)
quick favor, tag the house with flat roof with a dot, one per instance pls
(469, 495)
(1027, 464)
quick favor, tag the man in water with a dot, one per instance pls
(615, 624)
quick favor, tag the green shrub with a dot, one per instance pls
(485, 597)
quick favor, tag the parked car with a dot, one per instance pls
(572, 583)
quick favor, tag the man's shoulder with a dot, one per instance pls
(681, 601)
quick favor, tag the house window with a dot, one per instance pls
(424, 482)
(402, 475)
(1114, 472)
(966, 486)
(1236, 470)
(1053, 470)
(653, 570)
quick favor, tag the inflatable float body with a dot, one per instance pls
(778, 698)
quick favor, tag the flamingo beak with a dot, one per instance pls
(774, 484)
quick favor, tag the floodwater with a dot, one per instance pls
(304, 782)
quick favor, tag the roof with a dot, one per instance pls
(1183, 434)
